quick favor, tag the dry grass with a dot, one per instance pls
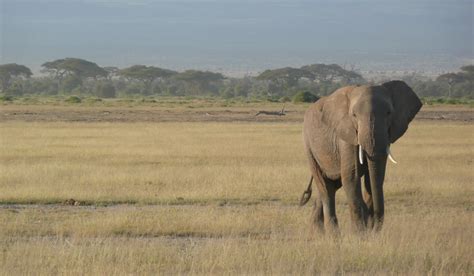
(220, 198)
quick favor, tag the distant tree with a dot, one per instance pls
(333, 73)
(199, 81)
(237, 87)
(145, 74)
(71, 82)
(111, 71)
(305, 97)
(450, 79)
(77, 68)
(74, 66)
(44, 85)
(468, 69)
(286, 77)
(54, 68)
(467, 72)
(428, 88)
(466, 88)
(11, 71)
(105, 89)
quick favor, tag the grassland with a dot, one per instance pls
(212, 197)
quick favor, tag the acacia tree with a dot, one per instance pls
(450, 79)
(145, 74)
(112, 71)
(468, 72)
(199, 81)
(333, 73)
(11, 71)
(465, 77)
(286, 77)
(281, 80)
(79, 69)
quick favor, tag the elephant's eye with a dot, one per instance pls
(353, 115)
(389, 112)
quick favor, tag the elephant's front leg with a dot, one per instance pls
(369, 202)
(352, 186)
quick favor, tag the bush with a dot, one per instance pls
(105, 90)
(6, 98)
(305, 97)
(284, 99)
(73, 99)
(92, 100)
(273, 99)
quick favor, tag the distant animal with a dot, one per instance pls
(347, 136)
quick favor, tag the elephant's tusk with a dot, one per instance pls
(361, 155)
(390, 155)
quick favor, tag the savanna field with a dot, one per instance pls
(211, 196)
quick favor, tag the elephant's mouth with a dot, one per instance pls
(388, 152)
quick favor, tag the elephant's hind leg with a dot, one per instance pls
(328, 199)
(318, 214)
(326, 195)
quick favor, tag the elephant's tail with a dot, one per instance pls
(307, 194)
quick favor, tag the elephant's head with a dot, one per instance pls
(372, 116)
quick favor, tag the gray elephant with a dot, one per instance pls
(347, 135)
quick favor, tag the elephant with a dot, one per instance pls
(347, 136)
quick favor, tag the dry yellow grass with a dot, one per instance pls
(220, 198)
(150, 163)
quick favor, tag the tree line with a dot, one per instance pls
(74, 76)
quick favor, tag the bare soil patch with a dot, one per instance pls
(160, 114)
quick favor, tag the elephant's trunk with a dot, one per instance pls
(373, 137)
(376, 167)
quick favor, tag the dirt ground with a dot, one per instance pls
(33, 113)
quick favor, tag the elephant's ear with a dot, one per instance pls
(405, 106)
(335, 114)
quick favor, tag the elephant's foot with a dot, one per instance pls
(316, 233)
(317, 229)
(359, 216)
(377, 223)
(331, 226)
(370, 222)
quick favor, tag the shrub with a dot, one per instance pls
(92, 100)
(305, 97)
(272, 99)
(284, 99)
(73, 99)
(6, 98)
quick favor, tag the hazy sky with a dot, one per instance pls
(233, 34)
